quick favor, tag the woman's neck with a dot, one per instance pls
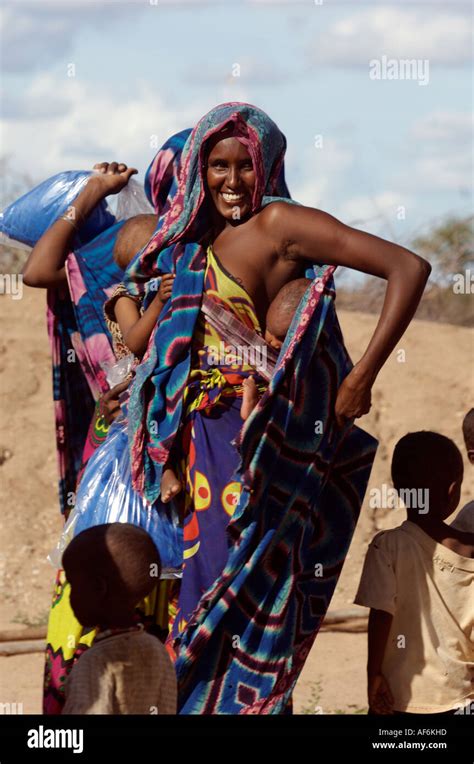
(220, 224)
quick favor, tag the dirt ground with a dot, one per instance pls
(426, 384)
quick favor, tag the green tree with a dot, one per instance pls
(449, 247)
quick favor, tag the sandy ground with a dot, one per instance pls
(428, 385)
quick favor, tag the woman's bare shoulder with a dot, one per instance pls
(275, 210)
(277, 214)
(268, 219)
(275, 222)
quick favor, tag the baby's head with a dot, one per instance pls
(110, 569)
(468, 433)
(427, 469)
(282, 309)
(132, 237)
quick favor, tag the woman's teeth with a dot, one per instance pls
(232, 197)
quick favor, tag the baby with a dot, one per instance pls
(278, 319)
(126, 671)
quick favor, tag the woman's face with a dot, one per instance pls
(230, 178)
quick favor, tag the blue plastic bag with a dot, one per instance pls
(27, 218)
(105, 495)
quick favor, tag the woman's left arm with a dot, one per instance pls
(303, 233)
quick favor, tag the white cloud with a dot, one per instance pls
(370, 212)
(452, 172)
(442, 36)
(319, 170)
(442, 151)
(345, 3)
(38, 101)
(30, 41)
(445, 126)
(54, 5)
(247, 70)
(92, 127)
(36, 34)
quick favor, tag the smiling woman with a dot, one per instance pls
(259, 517)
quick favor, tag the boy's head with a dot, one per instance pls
(110, 569)
(132, 237)
(282, 309)
(468, 433)
(427, 469)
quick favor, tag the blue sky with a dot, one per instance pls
(395, 155)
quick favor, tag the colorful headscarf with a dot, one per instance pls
(266, 145)
(156, 394)
(161, 178)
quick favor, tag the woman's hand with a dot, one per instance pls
(354, 397)
(166, 285)
(111, 178)
(109, 403)
(45, 267)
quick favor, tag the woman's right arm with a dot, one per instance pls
(45, 266)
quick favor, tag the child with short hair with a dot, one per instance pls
(415, 581)
(126, 671)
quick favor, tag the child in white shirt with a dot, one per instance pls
(416, 582)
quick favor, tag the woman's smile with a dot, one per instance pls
(232, 198)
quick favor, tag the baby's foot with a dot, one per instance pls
(170, 485)
(249, 398)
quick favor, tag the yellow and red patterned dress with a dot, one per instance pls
(211, 421)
